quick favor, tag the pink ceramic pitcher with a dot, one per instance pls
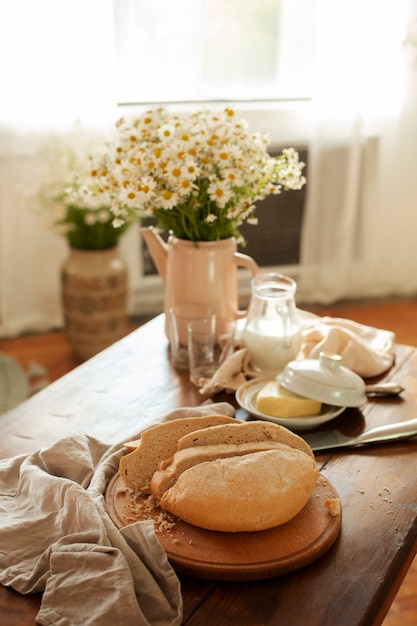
(204, 272)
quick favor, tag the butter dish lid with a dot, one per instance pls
(324, 379)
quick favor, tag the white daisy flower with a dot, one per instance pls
(168, 199)
(219, 192)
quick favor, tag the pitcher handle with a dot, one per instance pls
(244, 260)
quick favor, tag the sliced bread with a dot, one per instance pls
(244, 432)
(160, 442)
(182, 460)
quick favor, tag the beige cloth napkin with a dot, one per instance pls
(57, 538)
(366, 350)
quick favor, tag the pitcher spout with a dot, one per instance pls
(158, 249)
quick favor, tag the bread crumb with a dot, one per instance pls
(333, 506)
(143, 508)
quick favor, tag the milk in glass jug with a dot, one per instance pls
(272, 332)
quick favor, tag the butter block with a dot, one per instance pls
(276, 401)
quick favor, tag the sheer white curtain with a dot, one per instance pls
(359, 235)
(361, 223)
(57, 73)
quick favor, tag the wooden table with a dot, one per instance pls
(125, 387)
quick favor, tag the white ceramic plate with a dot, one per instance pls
(246, 398)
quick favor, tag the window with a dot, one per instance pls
(208, 50)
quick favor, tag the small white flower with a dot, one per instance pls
(233, 176)
(184, 186)
(190, 169)
(166, 132)
(168, 199)
(174, 172)
(220, 192)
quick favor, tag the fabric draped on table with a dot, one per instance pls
(57, 538)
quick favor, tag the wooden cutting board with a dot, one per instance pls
(234, 556)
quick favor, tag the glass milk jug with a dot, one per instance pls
(272, 333)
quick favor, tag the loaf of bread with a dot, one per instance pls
(227, 475)
(158, 443)
(246, 493)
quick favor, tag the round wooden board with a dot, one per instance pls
(234, 556)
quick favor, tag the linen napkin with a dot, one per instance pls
(57, 538)
(365, 350)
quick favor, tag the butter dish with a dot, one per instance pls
(324, 379)
(246, 396)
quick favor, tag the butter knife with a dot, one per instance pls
(329, 439)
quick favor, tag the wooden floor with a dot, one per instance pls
(54, 354)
